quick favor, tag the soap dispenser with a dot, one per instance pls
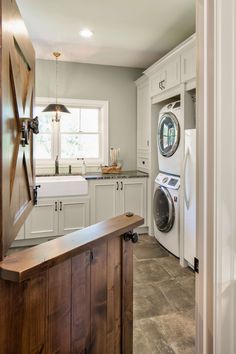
(83, 167)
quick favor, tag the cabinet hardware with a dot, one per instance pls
(143, 162)
(160, 85)
(117, 186)
(121, 183)
(35, 194)
(55, 206)
(196, 265)
(60, 206)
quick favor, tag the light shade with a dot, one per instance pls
(56, 107)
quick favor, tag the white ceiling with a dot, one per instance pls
(133, 33)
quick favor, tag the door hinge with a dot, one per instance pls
(196, 265)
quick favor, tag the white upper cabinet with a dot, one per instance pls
(178, 66)
(188, 63)
(166, 76)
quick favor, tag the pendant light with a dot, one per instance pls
(56, 108)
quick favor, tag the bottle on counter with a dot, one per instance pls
(83, 167)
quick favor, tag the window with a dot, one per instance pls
(81, 134)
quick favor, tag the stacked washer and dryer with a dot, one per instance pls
(167, 183)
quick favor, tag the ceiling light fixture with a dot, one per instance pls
(86, 33)
(56, 108)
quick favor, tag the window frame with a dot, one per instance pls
(56, 136)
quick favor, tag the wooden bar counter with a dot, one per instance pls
(73, 294)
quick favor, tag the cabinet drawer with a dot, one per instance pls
(143, 163)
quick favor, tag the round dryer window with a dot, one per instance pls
(163, 209)
(168, 134)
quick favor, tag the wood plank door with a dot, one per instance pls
(17, 103)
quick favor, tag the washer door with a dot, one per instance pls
(163, 209)
(168, 134)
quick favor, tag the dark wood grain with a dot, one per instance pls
(99, 300)
(114, 293)
(59, 308)
(25, 264)
(12, 308)
(17, 101)
(83, 304)
(127, 298)
(37, 313)
(80, 332)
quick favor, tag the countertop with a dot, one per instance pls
(99, 175)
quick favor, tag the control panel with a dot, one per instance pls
(168, 181)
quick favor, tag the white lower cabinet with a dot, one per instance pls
(73, 214)
(55, 217)
(113, 197)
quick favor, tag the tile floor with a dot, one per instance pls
(163, 301)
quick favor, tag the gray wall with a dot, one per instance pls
(98, 82)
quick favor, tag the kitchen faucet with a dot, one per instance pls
(56, 166)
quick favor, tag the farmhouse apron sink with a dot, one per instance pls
(58, 186)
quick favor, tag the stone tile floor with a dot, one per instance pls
(164, 303)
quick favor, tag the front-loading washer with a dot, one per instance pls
(166, 212)
(169, 140)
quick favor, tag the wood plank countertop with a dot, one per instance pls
(22, 265)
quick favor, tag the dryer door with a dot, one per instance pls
(163, 209)
(168, 134)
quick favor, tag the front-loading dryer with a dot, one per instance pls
(166, 211)
(169, 140)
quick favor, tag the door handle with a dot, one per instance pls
(117, 186)
(60, 206)
(55, 206)
(186, 199)
(162, 85)
(121, 183)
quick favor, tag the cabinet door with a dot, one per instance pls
(188, 64)
(166, 77)
(143, 117)
(43, 220)
(104, 200)
(73, 214)
(171, 73)
(155, 80)
(133, 196)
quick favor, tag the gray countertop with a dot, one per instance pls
(99, 175)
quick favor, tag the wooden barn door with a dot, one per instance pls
(16, 137)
